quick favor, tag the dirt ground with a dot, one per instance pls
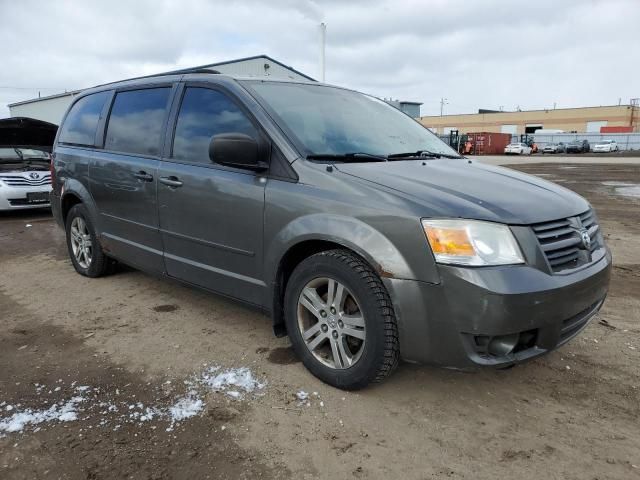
(133, 338)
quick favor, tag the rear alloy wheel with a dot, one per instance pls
(84, 250)
(340, 320)
(81, 245)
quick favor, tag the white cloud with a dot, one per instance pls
(477, 54)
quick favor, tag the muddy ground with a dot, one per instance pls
(574, 414)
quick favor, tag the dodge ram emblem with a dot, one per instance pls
(586, 239)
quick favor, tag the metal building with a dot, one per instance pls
(605, 119)
(52, 108)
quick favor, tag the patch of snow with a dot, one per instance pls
(617, 184)
(186, 407)
(234, 382)
(65, 412)
(631, 191)
(242, 378)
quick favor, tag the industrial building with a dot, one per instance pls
(606, 119)
(51, 108)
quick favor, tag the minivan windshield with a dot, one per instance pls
(333, 121)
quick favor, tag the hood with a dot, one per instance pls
(27, 132)
(470, 189)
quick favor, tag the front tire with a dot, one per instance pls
(84, 249)
(340, 320)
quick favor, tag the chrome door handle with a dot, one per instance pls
(171, 181)
(144, 176)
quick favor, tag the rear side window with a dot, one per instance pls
(80, 126)
(203, 114)
(136, 120)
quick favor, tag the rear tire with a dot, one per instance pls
(84, 249)
(324, 291)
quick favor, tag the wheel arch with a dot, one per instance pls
(316, 233)
(74, 193)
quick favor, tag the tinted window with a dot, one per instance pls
(135, 123)
(82, 121)
(203, 114)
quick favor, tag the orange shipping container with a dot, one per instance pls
(627, 129)
(489, 143)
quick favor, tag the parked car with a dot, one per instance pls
(517, 149)
(363, 236)
(550, 148)
(605, 146)
(25, 181)
(578, 146)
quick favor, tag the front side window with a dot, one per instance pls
(203, 114)
(330, 120)
(136, 120)
(80, 126)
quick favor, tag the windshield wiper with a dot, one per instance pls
(348, 157)
(420, 154)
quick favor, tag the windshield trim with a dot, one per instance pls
(302, 149)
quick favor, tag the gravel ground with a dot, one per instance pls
(121, 348)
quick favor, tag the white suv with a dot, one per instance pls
(606, 146)
(25, 180)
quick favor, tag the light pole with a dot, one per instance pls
(323, 35)
(443, 102)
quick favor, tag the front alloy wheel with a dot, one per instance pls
(331, 323)
(340, 320)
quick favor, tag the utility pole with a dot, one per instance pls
(634, 102)
(443, 102)
(323, 36)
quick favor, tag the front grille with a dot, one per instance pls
(562, 243)
(25, 181)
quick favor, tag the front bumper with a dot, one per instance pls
(15, 198)
(453, 323)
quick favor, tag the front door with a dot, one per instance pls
(123, 177)
(211, 216)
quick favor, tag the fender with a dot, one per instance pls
(350, 232)
(71, 186)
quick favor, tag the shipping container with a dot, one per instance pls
(627, 129)
(489, 143)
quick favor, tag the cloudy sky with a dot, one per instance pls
(477, 54)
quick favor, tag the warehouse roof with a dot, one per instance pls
(182, 70)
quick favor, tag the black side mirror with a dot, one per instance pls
(236, 150)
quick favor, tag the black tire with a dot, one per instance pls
(100, 264)
(381, 349)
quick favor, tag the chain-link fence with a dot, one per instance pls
(625, 141)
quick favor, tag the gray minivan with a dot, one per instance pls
(363, 236)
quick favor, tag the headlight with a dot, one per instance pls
(472, 243)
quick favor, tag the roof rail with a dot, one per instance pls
(164, 74)
(192, 70)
